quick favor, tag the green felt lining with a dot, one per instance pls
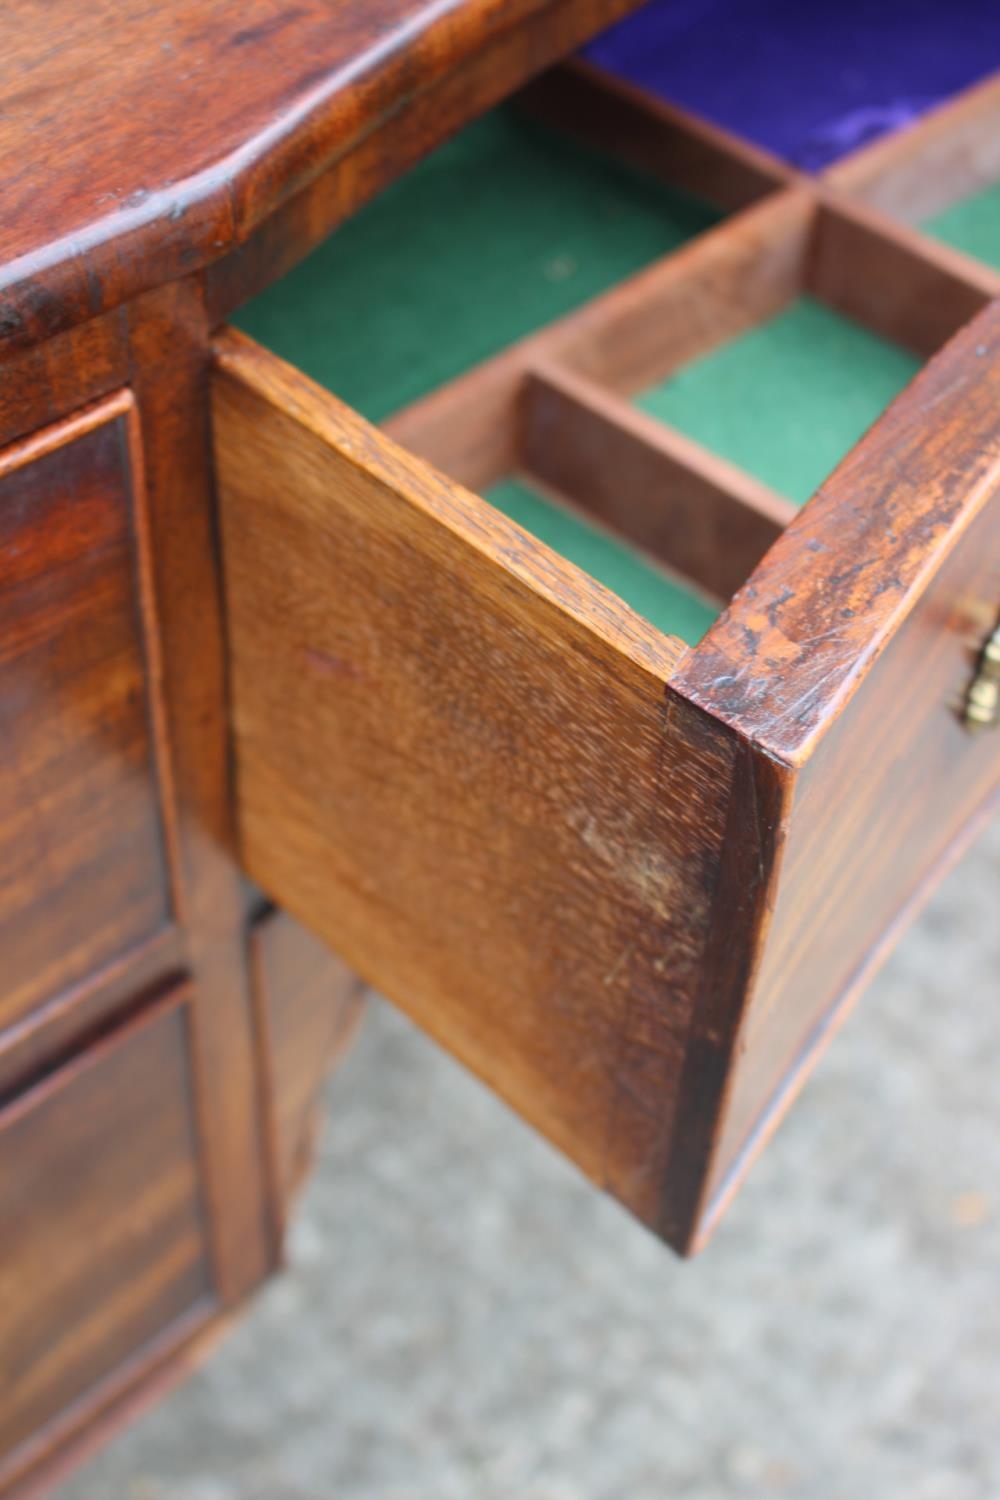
(789, 398)
(502, 230)
(662, 600)
(973, 225)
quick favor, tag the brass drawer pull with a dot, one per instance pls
(982, 702)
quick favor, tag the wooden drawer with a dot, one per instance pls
(630, 879)
(85, 876)
(105, 1257)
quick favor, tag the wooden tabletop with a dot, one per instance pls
(140, 139)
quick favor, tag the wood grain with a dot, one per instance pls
(103, 1223)
(52, 1032)
(784, 905)
(846, 659)
(84, 867)
(515, 839)
(893, 280)
(168, 342)
(221, 115)
(695, 512)
(616, 118)
(778, 672)
(45, 382)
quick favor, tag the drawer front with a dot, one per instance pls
(871, 620)
(83, 870)
(103, 1249)
(884, 804)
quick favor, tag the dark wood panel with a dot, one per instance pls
(104, 1238)
(53, 1031)
(84, 872)
(309, 1006)
(42, 384)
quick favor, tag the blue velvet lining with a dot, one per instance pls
(809, 80)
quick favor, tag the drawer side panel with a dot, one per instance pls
(457, 762)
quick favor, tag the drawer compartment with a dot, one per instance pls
(104, 1242)
(629, 863)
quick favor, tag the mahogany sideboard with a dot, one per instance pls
(285, 702)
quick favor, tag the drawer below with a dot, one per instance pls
(102, 1223)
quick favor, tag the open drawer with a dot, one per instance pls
(631, 879)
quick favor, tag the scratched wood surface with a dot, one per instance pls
(868, 618)
(221, 114)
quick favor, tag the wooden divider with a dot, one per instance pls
(953, 152)
(620, 120)
(685, 506)
(553, 407)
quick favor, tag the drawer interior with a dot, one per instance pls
(505, 228)
(942, 175)
(634, 335)
(972, 224)
(502, 232)
(789, 398)
(811, 83)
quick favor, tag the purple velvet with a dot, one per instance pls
(807, 79)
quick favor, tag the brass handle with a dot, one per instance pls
(982, 701)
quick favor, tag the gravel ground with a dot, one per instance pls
(465, 1319)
